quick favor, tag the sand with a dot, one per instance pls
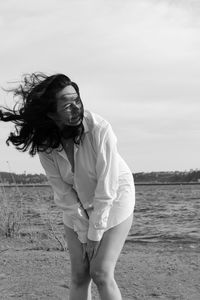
(144, 271)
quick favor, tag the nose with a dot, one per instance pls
(75, 108)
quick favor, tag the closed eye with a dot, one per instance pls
(67, 106)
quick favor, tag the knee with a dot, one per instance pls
(80, 278)
(101, 277)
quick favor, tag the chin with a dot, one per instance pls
(71, 124)
(75, 123)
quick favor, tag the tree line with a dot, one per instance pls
(168, 177)
(12, 178)
(142, 177)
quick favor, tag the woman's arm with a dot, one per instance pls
(65, 196)
(107, 170)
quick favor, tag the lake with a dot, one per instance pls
(163, 213)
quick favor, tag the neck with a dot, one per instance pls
(71, 132)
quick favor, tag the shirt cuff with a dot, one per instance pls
(95, 234)
(82, 235)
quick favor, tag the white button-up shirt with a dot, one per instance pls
(101, 181)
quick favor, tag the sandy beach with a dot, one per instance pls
(145, 271)
(160, 260)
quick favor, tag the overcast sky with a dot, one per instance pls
(137, 63)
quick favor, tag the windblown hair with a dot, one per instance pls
(34, 130)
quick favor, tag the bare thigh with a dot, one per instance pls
(110, 247)
(78, 265)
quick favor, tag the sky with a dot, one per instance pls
(137, 63)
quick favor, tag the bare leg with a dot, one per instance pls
(103, 265)
(80, 278)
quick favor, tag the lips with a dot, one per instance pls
(75, 119)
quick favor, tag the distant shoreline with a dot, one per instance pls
(136, 183)
(167, 183)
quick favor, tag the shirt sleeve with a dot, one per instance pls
(107, 170)
(64, 194)
(65, 197)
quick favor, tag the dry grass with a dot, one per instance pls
(24, 215)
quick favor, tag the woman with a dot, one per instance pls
(91, 182)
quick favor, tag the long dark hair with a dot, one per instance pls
(34, 130)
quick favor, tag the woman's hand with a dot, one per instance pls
(91, 249)
(84, 251)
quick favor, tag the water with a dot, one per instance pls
(164, 213)
(168, 213)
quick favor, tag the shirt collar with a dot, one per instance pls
(85, 125)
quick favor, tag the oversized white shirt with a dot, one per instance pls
(101, 181)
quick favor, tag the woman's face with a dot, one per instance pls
(69, 108)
